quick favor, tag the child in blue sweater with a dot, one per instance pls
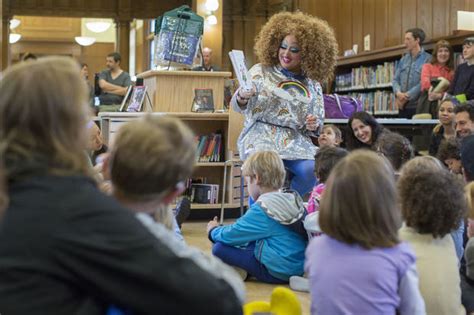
(266, 241)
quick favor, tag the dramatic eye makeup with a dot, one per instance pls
(293, 50)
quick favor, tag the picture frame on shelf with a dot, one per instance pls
(126, 98)
(203, 101)
(137, 98)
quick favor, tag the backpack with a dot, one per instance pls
(337, 106)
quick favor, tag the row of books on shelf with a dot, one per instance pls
(377, 102)
(377, 76)
(199, 191)
(209, 148)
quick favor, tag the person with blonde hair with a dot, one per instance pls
(433, 206)
(269, 240)
(359, 265)
(66, 248)
(284, 108)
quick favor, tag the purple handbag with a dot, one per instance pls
(337, 106)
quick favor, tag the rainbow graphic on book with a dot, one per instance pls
(294, 86)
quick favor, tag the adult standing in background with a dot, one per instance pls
(113, 81)
(285, 107)
(406, 83)
(441, 67)
(206, 61)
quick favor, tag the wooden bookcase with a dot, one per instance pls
(201, 124)
(347, 66)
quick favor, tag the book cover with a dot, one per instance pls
(203, 101)
(238, 63)
(136, 100)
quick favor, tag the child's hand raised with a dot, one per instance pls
(212, 224)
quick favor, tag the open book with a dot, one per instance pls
(238, 62)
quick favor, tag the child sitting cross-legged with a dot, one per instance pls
(264, 242)
(146, 177)
(358, 265)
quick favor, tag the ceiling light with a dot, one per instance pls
(14, 38)
(98, 26)
(211, 20)
(85, 41)
(14, 23)
(212, 5)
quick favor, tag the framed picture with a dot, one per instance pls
(136, 100)
(125, 99)
(203, 101)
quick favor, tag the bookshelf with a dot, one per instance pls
(201, 124)
(368, 75)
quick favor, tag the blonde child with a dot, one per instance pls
(432, 205)
(146, 177)
(359, 265)
(264, 242)
(331, 136)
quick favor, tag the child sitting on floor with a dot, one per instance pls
(264, 241)
(325, 160)
(359, 265)
(330, 137)
(146, 177)
(433, 205)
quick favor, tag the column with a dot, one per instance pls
(4, 40)
(123, 42)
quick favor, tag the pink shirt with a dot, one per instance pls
(430, 71)
(315, 197)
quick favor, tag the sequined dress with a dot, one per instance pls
(275, 116)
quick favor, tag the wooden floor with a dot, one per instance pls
(195, 235)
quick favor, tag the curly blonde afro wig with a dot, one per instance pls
(315, 37)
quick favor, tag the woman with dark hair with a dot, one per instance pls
(364, 131)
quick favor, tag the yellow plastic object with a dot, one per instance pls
(283, 302)
(256, 307)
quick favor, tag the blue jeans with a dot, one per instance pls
(302, 177)
(302, 172)
(245, 259)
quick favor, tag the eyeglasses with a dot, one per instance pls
(292, 49)
(468, 45)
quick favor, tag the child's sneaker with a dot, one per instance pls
(299, 283)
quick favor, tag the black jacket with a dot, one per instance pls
(65, 248)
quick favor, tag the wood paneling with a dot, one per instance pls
(94, 56)
(42, 28)
(394, 16)
(381, 21)
(385, 20)
(368, 21)
(357, 22)
(439, 19)
(125, 9)
(424, 17)
(409, 14)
